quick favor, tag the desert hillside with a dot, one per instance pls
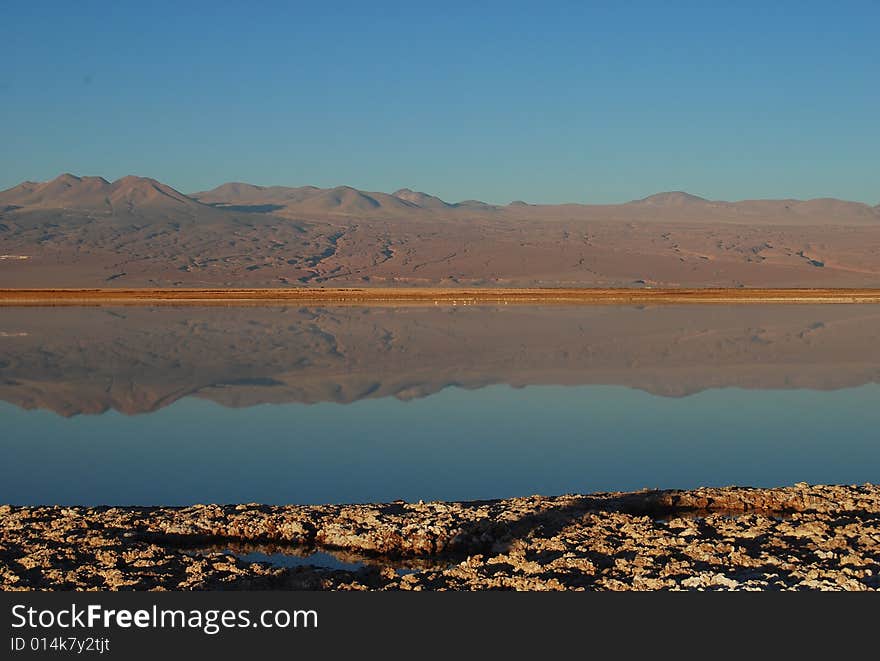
(137, 232)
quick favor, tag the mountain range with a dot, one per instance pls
(132, 194)
(137, 231)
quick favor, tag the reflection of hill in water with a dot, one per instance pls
(137, 360)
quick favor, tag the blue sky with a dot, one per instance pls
(545, 102)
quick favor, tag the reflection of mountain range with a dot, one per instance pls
(137, 232)
(137, 360)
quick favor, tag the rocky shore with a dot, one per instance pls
(793, 538)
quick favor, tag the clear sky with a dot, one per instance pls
(540, 101)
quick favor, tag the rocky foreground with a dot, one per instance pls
(794, 538)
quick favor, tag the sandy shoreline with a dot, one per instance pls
(793, 538)
(430, 296)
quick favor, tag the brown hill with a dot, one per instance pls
(350, 200)
(683, 207)
(124, 195)
(670, 199)
(421, 200)
(306, 199)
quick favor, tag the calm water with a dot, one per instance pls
(284, 405)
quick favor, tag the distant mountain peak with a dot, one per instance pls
(133, 179)
(420, 199)
(670, 198)
(69, 191)
(133, 189)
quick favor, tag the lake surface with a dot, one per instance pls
(313, 405)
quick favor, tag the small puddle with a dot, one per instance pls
(297, 556)
(320, 559)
